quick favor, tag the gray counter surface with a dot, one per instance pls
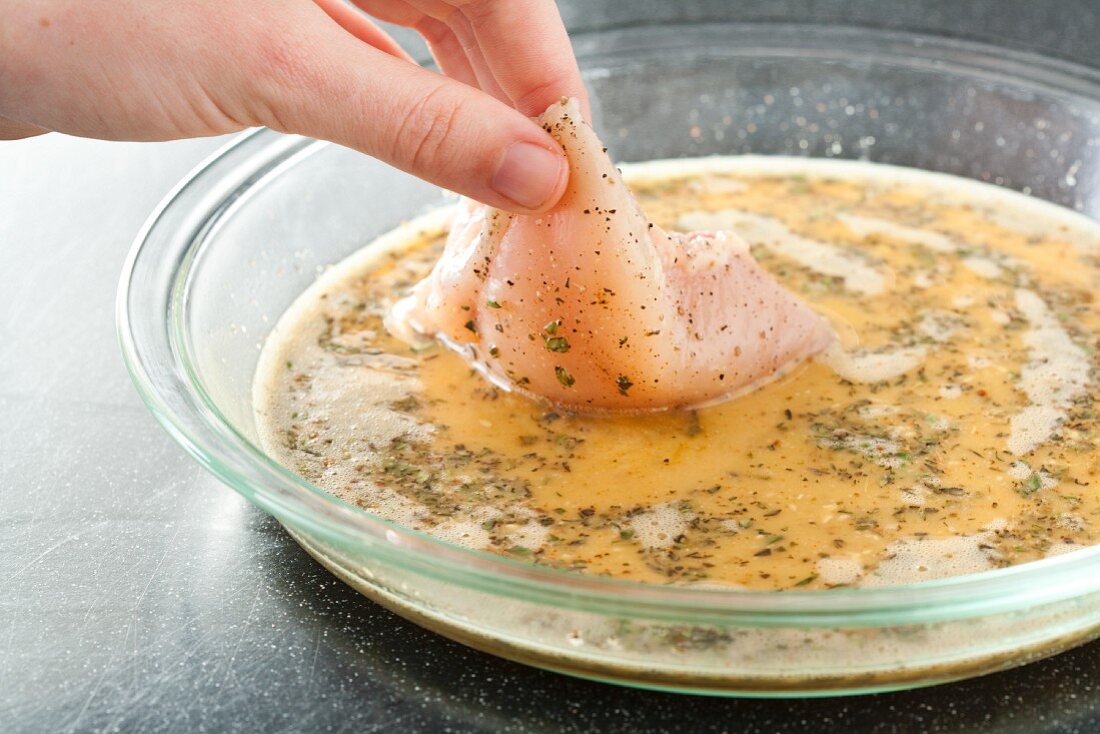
(136, 593)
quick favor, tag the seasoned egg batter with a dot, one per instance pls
(951, 429)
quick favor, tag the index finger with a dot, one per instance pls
(528, 51)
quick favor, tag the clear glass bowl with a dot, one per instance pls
(236, 242)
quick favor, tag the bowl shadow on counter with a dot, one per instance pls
(449, 683)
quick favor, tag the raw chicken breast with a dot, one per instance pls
(592, 306)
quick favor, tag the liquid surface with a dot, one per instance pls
(951, 431)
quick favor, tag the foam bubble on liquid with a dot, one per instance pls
(923, 279)
(914, 496)
(660, 525)
(883, 451)
(872, 366)
(467, 533)
(1056, 373)
(1057, 549)
(1032, 426)
(939, 326)
(389, 504)
(1031, 223)
(912, 560)
(983, 266)
(864, 227)
(1021, 471)
(1058, 370)
(977, 361)
(877, 410)
(768, 232)
(530, 535)
(1072, 522)
(367, 394)
(837, 571)
(940, 423)
(732, 526)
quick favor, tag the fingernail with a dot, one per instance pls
(528, 174)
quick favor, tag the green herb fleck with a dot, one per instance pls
(564, 377)
(557, 344)
(1030, 485)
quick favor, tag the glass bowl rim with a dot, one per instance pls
(200, 428)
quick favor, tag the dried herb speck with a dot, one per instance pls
(557, 344)
(564, 377)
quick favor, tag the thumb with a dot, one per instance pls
(12, 130)
(421, 122)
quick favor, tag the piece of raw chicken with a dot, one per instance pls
(590, 305)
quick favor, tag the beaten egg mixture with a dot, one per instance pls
(951, 429)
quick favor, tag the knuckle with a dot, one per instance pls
(428, 127)
(433, 31)
(476, 11)
(535, 100)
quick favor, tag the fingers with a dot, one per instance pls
(433, 127)
(516, 50)
(464, 35)
(12, 130)
(361, 27)
(447, 50)
(527, 49)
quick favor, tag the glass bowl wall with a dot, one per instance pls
(233, 245)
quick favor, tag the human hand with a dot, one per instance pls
(135, 70)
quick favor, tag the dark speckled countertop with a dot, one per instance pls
(136, 593)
